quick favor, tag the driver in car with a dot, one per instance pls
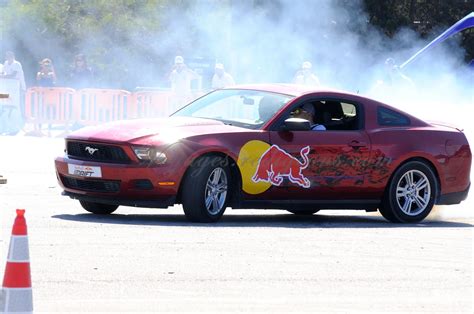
(308, 112)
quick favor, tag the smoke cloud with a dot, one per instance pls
(269, 43)
(266, 43)
(257, 43)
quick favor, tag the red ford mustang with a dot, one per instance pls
(249, 147)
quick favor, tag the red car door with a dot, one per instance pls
(319, 164)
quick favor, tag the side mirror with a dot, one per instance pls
(296, 124)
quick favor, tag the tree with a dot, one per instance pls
(110, 33)
(424, 16)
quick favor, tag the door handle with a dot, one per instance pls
(356, 144)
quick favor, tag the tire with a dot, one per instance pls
(410, 194)
(98, 208)
(205, 191)
(304, 212)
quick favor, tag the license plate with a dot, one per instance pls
(84, 171)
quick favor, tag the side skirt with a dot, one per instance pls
(368, 205)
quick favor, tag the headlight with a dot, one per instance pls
(150, 154)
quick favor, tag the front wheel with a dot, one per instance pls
(98, 208)
(411, 193)
(205, 191)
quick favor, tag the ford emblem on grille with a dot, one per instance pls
(91, 150)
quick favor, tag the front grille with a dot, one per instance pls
(106, 186)
(97, 152)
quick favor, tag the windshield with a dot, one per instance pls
(245, 108)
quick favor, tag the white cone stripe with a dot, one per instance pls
(18, 261)
(17, 300)
(18, 249)
(19, 237)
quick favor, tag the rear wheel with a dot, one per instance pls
(304, 212)
(411, 193)
(205, 190)
(98, 208)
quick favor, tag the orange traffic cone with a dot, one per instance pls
(17, 295)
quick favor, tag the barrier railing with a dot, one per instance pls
(102, 105)
(67, 107)
(49, 106)
(151, 104)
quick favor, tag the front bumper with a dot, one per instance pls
(152, 203)
(453, 198)
(121, 184)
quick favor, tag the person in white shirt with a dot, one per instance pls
(13, 69)
(181, 77)
(221, 78)
(305, 76)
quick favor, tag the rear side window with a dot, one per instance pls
(348, 109)
(389, 117)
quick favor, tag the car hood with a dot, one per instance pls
(149, 131)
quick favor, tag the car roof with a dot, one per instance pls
(288, 89)
(302, 90)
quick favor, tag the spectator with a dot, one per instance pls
(393, 84)
(46, 76)
(181, 77)
(305, 76)
(81, 74)
(12, 69)
(221, 78)
(394, 75)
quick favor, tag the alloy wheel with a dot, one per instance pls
(413, 192)
(216, 191)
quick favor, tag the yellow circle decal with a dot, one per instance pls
(249, 156)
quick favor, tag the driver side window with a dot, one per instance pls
(330, 114)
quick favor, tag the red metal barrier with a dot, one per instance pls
(66, 106)
(49, 106)
(96, 106)
(151, 104)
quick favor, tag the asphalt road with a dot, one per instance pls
(266, 261)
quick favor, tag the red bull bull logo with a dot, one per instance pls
(275, 164)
